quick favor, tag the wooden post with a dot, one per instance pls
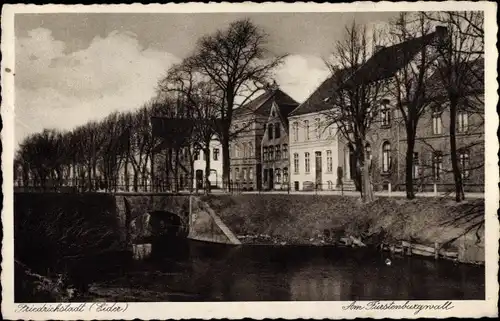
(435, 190)
(436, 250)
(389, 189)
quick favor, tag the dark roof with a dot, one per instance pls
(318, 101)
(388, 60)
(471, 75)
(382, 65)
(263, 103)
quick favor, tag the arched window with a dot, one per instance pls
(306, 129)
(270, 131)
(285, 175)
(386, 157)
(368, 151)
(250, 149)
(437, 128)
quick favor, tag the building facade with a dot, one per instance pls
(215, 166)
(275, 154)
(320, 159)
(248, 128)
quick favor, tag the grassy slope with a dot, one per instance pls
(300, 218)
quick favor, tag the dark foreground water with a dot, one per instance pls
(207, 272)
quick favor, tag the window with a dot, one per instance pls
(278, 175)
(285, 175)
(329, 161)
(250, 174)
(385, 115)
(463, 122)
(330, 185)
(415, 165)
(306, 129)
(197, 155)
(277, 132)
(236, 174)
(296, 163)
(250, 149)
(244, 174)
(244, 147)
(285, 151)
(216, 154)
(437, 164)
(270, 131)
(278, 152)
(295, 128)
(386, 157)
(368, 151)
(463, 156)
(265, 154)
(307, 162)
(318, 128)
(436, 123)
(271, 153)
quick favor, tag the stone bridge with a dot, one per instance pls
(149, 217)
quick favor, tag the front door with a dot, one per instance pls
(199, 179)
(270, 179)
(319, 170)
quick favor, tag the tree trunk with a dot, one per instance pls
(206, 151)
(459, 193)
(367, 186)
(176, 170)
(410, 134)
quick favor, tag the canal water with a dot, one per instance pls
(208, 272)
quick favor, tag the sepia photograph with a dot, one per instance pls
(249, 155)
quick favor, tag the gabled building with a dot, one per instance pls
(200, 160)
(275, 155)
(324, 159)
(249, 125)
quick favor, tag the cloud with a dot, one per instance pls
(55, 88)
(59, 89)
(300, 75)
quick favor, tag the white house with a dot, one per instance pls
(200, 158)
(316, 148)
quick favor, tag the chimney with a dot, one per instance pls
(441, 32)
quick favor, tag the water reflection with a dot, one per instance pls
(255, 273)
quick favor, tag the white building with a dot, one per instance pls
(316, 149)
(200, 158)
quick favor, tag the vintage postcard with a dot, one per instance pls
(250, 160)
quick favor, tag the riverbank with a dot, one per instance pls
(327, 219)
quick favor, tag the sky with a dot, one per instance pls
(75, 67)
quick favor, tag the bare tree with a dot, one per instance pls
(410, 87)
(355, 105)
(460, 75)
(238, 64)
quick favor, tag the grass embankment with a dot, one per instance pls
(322, 219)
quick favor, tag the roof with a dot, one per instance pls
(317, 101)
(471, 75)
(382, 65)
(387, 61)
(263, 103)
